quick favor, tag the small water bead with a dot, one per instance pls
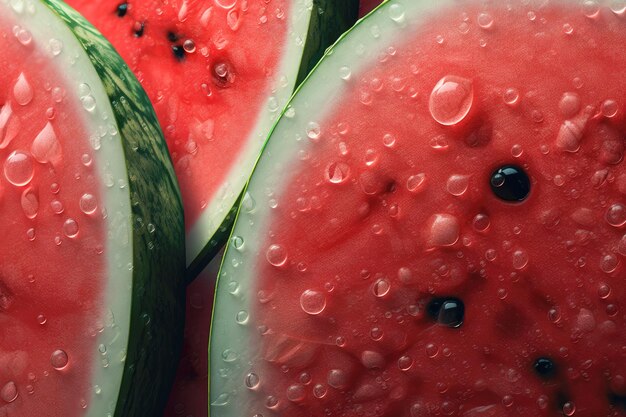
(56, 206)
(520, 259)
(337, 172)
(22, 91)
(616, 215)
(381, 287)
(443, 229)
(19, 168)
(313, 130)
(485, 20)
(55, 46)
(30, 234)
(372, 360)
(568, 29)
(457, 184)
(371, 157)
(609, 263)
(30, 203)
(345, 73)
(569, 408)
(296, 393)
(481, 222)
(252, 381)
(543, 402)
(337, 378)
(510, 97)
(432, 350)
(591, 9)
(554, 315)
(415, 183)
(276, 255)
(9, 393)
(507, 401)
(609, 108)
(604, 291)
(618, 7)
(570, 104)
(405, 363)
(59, 359)
(319, 391)
(88, 203)
(389, 140)
(396, 13)
(70, 228)
(312, 302)
(621, 246)
(376, 333)
(451, 100)
(41, 319)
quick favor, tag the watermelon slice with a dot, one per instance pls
(218, 72)
(439, 223)
(189, 396)
(92, 271)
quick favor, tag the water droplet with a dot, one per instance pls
(30, 203)
(345, 73)
(389, 140)
(511, 96)
(312, 302)
(457, 184)
(432, 350)
(295, 393)
(396, 13)
(485, 20)
(381, 287)
(520, 259)
(609, 263)
(451, 100)
(569, 408)
(22, 91)
(252, 381)
(616, 215)
(618, 7)
(405, 363)
(569, 105)
(415, 183)
(444, 230)
(276, 255)
(19, 168)
(46, 147)
(376, 333)
(337, 172)
(609, 108)
(604, 291)
(88, 203)
(591, 9)
(9, 393)
(319, 391)
(517, 150)
(337, 378)
(313, 130)
(59, 359)
(70, 228)
(568, 29)
(481, 222)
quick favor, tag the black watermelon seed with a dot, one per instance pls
(545, 367)
(179, 52)
(510, 183)
(172, 37)
(122, 9)
(139, 31)
(448, 312)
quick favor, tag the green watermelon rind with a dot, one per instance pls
(328, 20)
(158, 268)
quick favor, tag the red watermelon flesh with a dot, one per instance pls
(395, 282)
(190, 394)
(50, 314)
(207, 69)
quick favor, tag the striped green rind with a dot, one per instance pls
(158, 308)
(329, 19)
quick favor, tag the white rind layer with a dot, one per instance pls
(279, 93)
(109, 160)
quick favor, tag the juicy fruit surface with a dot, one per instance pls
(50, 298)
(397, 279)
(190, 394)
(202, 67)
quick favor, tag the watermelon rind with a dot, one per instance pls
(315, 24)
(137, 348)
(231, 350)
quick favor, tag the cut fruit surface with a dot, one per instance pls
(437, 224)
(218, 74)
(92, 257)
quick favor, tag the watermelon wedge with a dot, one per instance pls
(92, 271)
(218, 73)
(439, 226)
